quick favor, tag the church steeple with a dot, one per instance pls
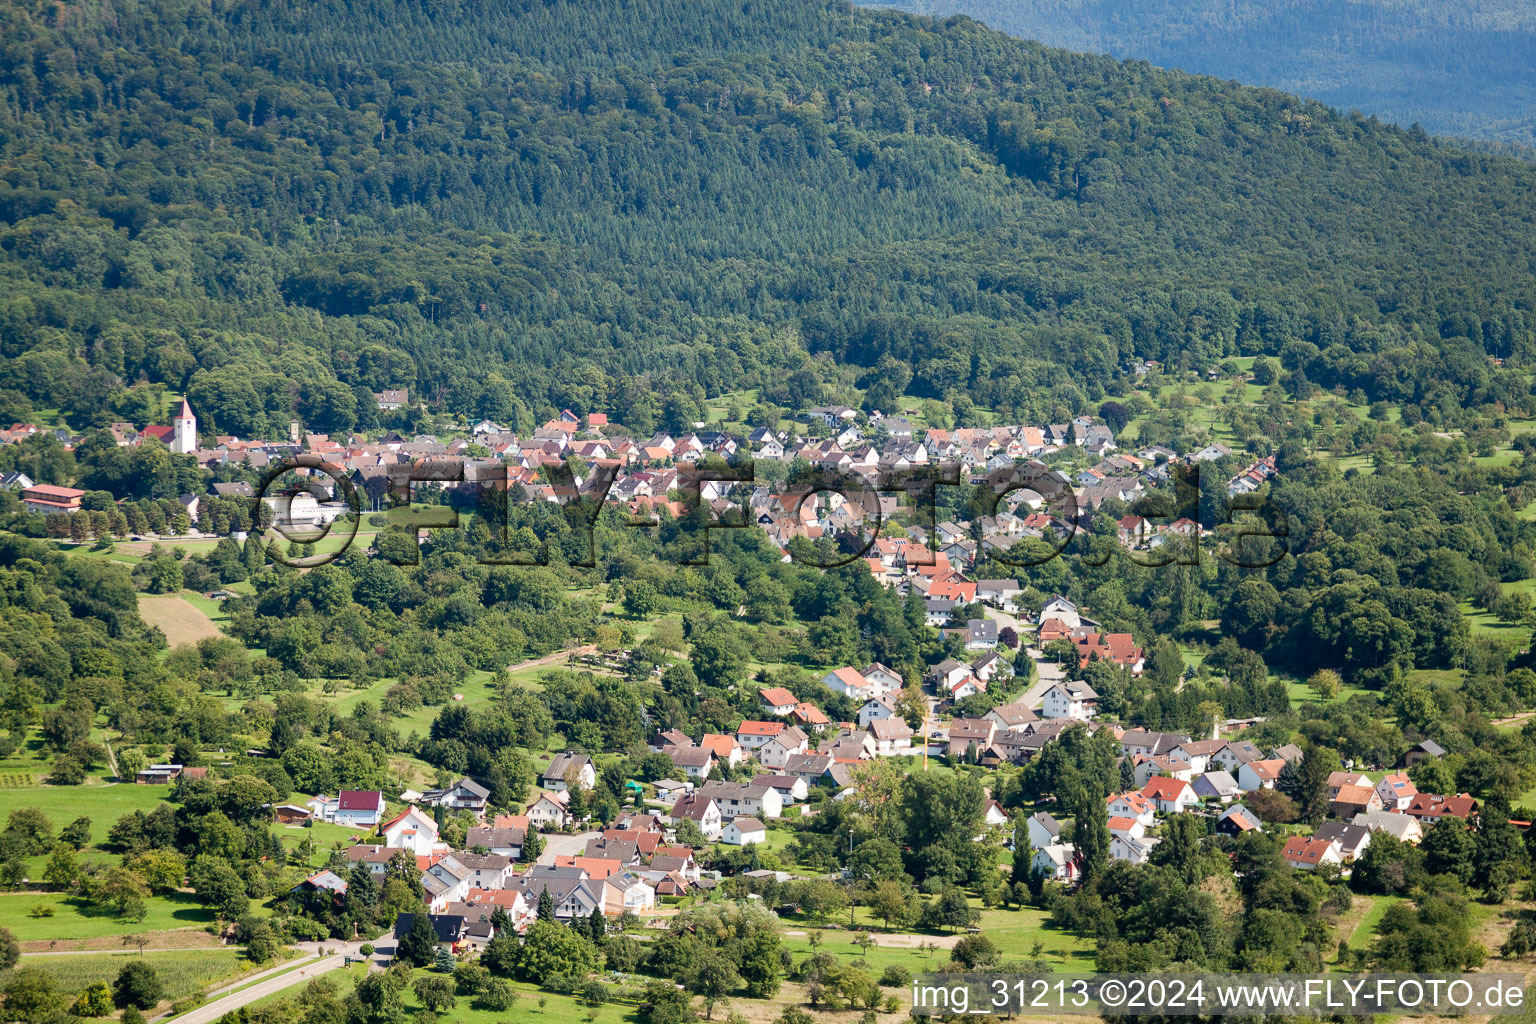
(184, 431)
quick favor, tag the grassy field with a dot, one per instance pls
(103, 804)
(72, 919)
(180, 620)
(182, 973)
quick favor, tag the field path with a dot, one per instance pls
(276, 979)
(180, 620)
(551, 659)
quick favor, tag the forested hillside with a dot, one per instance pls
(513, 208)
(1461, 69)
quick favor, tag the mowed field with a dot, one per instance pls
(176, 617)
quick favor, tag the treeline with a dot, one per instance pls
(1465, 71)
(511, 229)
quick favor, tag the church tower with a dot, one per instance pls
(184, 431)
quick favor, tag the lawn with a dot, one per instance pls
(103, 804)
(72, 919)
(182, 973)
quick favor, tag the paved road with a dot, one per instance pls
(1047, 672)
(277, 979)
(556, 845)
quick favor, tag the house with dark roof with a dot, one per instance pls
(567, 766)
(359, 808)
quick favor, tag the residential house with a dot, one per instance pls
(739, 799)
(1429, 808)
(980, 634)
(1070, 699)
(882, 679)
(1198, 752)
(1042, 830)
(966, 733)
(776, 701)
(567, 767)
(1132, 804)
(744, 831)
(1131, 848)
(753, 735)
(1170, 796)
(1350, 839)
(359, 808)
(1236, 820)
(701, 810)
(1148, 768)
(792, 788)
(1057, 862)
(1145, 741)
(547, 812)
(1402, 827)
(411, 830)
(694, 762)
(1396, 791)
(874, 709)
(849, 682)
(1217, 785)
(1259, 774)
(463, 795)
(1338, 780)
(776, 752)
(1237, 753)
(725, 748)
(1351, 800)
(1012, 716)
(1308, 854)
(506, 841)
(892, 737)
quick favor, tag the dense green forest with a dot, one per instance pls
(515, 208)
(1459, 69)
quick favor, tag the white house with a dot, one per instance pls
(569, 765)
(777, 751)
(1259, 774)
(1396, 791)
(1132, 804)
(1170, 796)
(1403, 827)
(744, 831)
(1131, 848)
(1042, 830)
(623, 891)
(874, 709)
(702, 811)
(739, 799)
(359, 807)
(1056, 862)
(1070, 699)
(1307, 854)
(849, 682)
(776, 700)
(1148, 768)
(546, 811)
(994, 814)
(1060, 608)
(411, 830)
(892, 737)
(883, 679)
(792, 788)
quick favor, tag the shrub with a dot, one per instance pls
(896, 976)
